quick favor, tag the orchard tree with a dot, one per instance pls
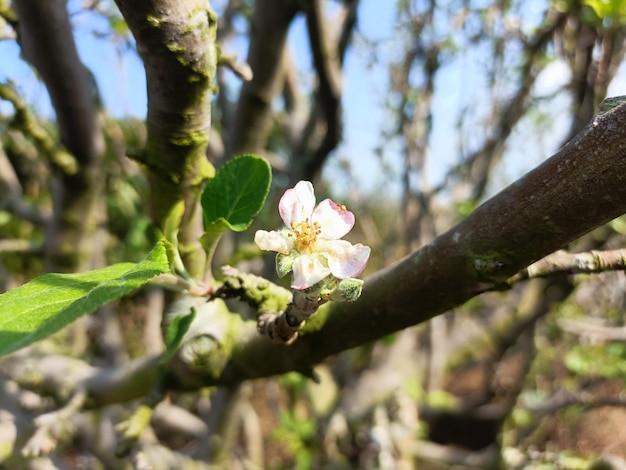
(144, 323)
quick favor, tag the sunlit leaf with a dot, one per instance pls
(50, 302)
(176, 332)
(237, 192)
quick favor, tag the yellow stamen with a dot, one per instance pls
(305, 234)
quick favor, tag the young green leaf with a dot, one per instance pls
(176, 332)
(237, 193)
(210, 239)
(46, 304)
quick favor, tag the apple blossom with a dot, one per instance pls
(310, 245)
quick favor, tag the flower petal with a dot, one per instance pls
(273, 241)
(334, 219)
(308, 270)
(344, 259)
(297, 203)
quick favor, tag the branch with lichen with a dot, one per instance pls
(279, 317)
(176, 41)
(528, 220)
(282, 313)
(284, 326)
(261, 294)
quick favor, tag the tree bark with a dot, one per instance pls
(176, 41)
(581, 187)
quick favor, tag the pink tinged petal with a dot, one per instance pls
(344, 259)
(297, 203)
(308, 270)
(334, 219)
(273, 241)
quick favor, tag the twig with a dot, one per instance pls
(593, 330)
(180, 284)
(574, 263)
(241, 69)
(20, 246)
(283, 327)
(268, 299)
(565, 399)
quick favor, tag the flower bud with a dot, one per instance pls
(347, 290)
(284, 264)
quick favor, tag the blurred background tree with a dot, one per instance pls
(414, 122)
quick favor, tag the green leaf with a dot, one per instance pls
(176, 332)
(212, 236)
(237, 193)
(612, 10)
(50, 302)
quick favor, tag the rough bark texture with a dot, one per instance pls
(578, 189)
(176, 41)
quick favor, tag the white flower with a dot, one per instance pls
(310, 245)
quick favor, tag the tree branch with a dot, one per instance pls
(327, 109)
(590, 329)
(578, 189)
(581, 187)
(483, 160)
(75, 234)
(44, 30)
(574, 263)
(268, 34)
(176, 41)
(11, 196)
(324, 128)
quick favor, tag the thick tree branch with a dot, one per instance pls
(578, 189)
(581, 187)
(176, 40)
